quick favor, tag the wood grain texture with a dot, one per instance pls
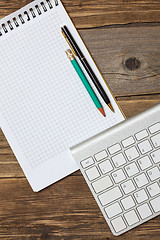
(111, 48)
(66, 210)
(98, 13)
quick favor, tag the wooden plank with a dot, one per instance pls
(134, 105)
(8, 7)
(112, 47)
(98, 13)
(95, 13)
(9, 167)
(64, 211)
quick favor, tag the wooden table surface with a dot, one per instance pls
(123, 37)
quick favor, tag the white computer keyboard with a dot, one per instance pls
(122, 169)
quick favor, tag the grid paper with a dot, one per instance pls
(42, 98)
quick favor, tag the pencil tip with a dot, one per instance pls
(102, 111)
(110, 106)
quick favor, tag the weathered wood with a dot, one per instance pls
(110, 49)
(98, 13)
(65, 210)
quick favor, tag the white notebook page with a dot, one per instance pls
(44, 107)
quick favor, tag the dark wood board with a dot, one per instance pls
(98, 13)
(112, 48)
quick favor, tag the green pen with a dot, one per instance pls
(85, 82)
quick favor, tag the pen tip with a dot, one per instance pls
(110, 106)
(102, 111)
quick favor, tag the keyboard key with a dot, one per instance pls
(128, 202)
(87, 162)
(102, 184)
(153, 189)
(156, 140)
(105, 167)
(131, 169)
(113, 210)
(118, 176)
(144, 163)
(155, 128)
(145, 147)
(156, 156)
(154, 173)
(132, 153)
(101, 155)
(92, 173)
(141, 196)
(128, 186)
(141, 180)
(115, 148)
(155, 203)
(110, 196)
(118, 160)
(128, 141)
(142, 134)
(118, 224)
(131, 217)
(144, 211)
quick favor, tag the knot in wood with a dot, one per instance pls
(132, 64)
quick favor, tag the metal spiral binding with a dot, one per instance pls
(10, 25)
(38, 9)
(27, 16)
(21, 18)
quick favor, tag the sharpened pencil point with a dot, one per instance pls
(110, 106)
(102, 111)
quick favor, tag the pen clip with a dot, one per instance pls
(69, 43)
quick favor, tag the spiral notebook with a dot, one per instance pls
(44, 107)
